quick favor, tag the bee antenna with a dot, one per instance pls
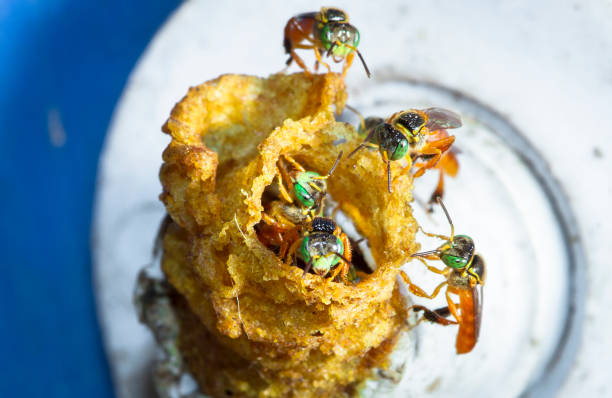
(356, 150)
(343, 258)
(307, 268)
(356, 112)
(452, 235)
(331, 48)
(364, 64)
(320, 201)
(427, 253)
(331, 171)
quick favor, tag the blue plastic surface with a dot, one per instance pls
(63, 65)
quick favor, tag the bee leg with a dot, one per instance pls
(294, 163)
(431, 163)
(281, 187)
(296, 33)
(452, 307)
(366, 143)
(341, 267)
(281, 169)
(350, 61)
(434, 148)
(443, 237)
(318, 55)
(291, 253)
(283, 249)
(417, 291)
(335, 272)
(404, 170)
(300, 62)
(269, 220)
(416, 308)
(432, 257)
(436, 316)
(347, 64)
(288, 62)
(286, 241)
(429, 267)
(346, 258)
(344, 274)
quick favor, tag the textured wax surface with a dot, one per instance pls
(308, 335)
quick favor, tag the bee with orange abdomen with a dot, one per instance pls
(421, 134)
(326, 32)
(465, 274)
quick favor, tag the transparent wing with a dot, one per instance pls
(440, 118)
(477, 296)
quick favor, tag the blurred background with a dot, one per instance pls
(546, 66)
(63, 65)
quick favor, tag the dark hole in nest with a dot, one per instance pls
(358, 259)
(266, 235)
(270, 194)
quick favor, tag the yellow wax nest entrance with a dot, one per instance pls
(251, 325)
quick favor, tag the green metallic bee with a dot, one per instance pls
(409, 132)
(308, 187)
(324, 247)
(465, 274)
(325, 31)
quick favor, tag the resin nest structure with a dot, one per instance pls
(251, 325)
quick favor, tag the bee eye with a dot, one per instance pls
(326, 34)
(344, 35)
(400, 150)
(304, 249)
(456, 262)
(303, 196)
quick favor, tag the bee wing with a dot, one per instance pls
(477, 296)
(440, 118)
(307, 15)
